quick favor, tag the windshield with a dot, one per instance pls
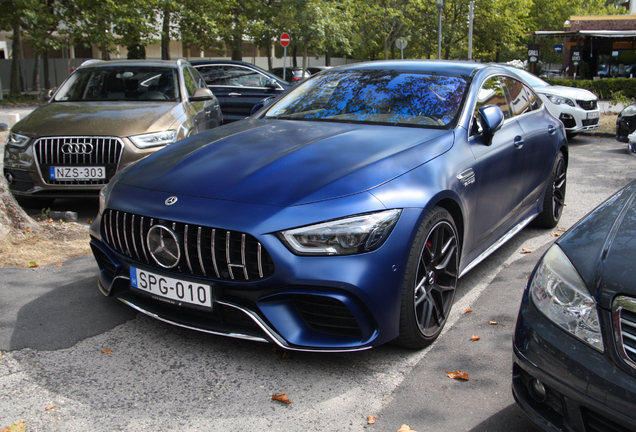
(375, 96)
(120, 83)
(530, 78)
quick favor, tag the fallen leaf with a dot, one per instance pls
(555, 234)
(17, 427)
(59, 264)
(28, 229)
(281, 397)
(107, 351)
(371, 419)
(459, 375)
(493, 322)
(49, 408)
(405, 428)
(528, 277)
(49, 221)
(469, 310)
(562, 229)
(285, 355)
(89, 221)
(526, 251)
(32, 264)
(475, 338)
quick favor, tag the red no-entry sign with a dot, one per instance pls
(284, 39)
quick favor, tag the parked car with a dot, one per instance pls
(106, 115)
(340, 216)
(238, 86)
(292, 75)
(626, 123)
(576, 108)
(575, 341)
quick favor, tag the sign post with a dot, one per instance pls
(401, 43)
(284, 41)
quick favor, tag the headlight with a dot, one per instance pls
(103, 194)
(559, 293)
(558, 100)
(629, 111)
(352, 235)
(154, 139)
(17, 140)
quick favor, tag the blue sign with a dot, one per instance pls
(558, 48)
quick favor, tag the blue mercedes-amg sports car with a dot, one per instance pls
(341, 214)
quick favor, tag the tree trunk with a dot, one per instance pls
(327, 59)
(15, 62)
(12, 217)
(35, 83)
(47, 75)
(294, 51)
(165, 36)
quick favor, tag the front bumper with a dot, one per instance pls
(625, 125)
(308, 303)
(584, 390)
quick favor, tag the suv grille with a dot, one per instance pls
(78, 151)
(205, 251)
(587, 104)
(624, 318)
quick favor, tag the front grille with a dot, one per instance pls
(595, 422)
(75, 152)
(587, 105)
(205, 251)
(590, 122)
(327, 315)
(624, 320)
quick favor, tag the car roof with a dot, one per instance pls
(433, 66)
(156, 63)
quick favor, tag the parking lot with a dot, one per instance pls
(73, 360)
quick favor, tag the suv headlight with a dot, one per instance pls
(155, 139)
(558, 100)
(559, 293)
(18, 140)
(348, 236)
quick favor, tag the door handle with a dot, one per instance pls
(234, 94)
(551, 129)
(519, 141)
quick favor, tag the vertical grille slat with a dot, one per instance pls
(624, 321)
(50, 152)
(220, 255)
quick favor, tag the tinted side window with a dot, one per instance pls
(213, 75)
(198, 79)
(519, 103)
(191, 86)
(533, 99)
(244, 77)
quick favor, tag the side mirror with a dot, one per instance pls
(271, 83)
(201, 94)
(491, 118)
(262, 104)
(45, 95)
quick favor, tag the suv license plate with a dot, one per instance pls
(77, 173)
(178, 290)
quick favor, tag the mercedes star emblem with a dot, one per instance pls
(171, 200)
(163, 245)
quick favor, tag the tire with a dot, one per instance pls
(554, 199)
(34, 202)
(430, 280)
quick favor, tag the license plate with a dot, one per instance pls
(77, 173)
(178, 290)
(593, 115)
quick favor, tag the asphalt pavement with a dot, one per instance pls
(72, 360)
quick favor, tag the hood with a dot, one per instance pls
(602, 247)
(98, 118)
(284, 163)
(566, 92)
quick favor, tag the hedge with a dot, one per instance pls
(603, 88)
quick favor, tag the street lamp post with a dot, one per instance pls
(440, 6)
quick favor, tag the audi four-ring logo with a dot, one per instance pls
(77, 148)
